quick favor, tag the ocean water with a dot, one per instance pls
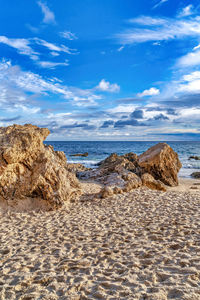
(100, 150)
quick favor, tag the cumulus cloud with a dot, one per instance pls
(49, 17)
(137, 114)
(151, 92)
(106, 86)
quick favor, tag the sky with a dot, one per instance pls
(102, 70)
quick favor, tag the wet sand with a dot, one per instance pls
(139, 245)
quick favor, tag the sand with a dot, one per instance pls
(140, 245)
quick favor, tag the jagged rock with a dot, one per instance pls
(150, 182)
(76, 168)
(116, 172)
(162, 163)
(80, 154)
(194, 157)
(30, 169)
(196, 175)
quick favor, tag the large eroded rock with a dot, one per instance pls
(162, 163)
(31, 170)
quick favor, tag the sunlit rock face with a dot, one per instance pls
(162, 163)
(31, 170)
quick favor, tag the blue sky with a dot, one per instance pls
(102, 70)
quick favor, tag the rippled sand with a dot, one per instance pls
(140, 245)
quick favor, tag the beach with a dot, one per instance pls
(138, 245)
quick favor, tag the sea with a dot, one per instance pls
(98, 151)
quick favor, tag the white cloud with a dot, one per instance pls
(149, 21)
(121, 109)
(151, 92)
(159, 3)
(158, 29)
(106, 86)
(49, 17)
(22, 46)
(120, 48)
(187, 11)
(53, 47)
(190, 83)
(53, 53)
(15, 83)
(52, 65)
(190, 59)
(68, 35)
(25, 47)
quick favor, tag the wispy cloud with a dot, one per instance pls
(16, 83)
(52, 65)
(151, 92)
(161, 2)
(187, 11)
(27, 47)
(21, 45)
(148, 29)
(106, 86)
(49, 17)
(68, 35)
(54, 47)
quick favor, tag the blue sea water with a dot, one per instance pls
(100, 150)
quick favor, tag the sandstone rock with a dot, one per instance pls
(195, 175)
(150, 182)
(76, 168)
(30, 169)
(162, 163)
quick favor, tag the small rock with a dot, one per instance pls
(80, 154)
(195, 175)
(194, 157)
(106, 192)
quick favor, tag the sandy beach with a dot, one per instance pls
(138, 245)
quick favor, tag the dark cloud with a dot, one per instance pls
(160, 118)
(107, 124)
(10, 119)
(81, 125)
(137, 114)
(188, 100)
(130, 122)
(127, 100)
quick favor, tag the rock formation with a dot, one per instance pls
(162, 163)
(155, 168)
(31, 170)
